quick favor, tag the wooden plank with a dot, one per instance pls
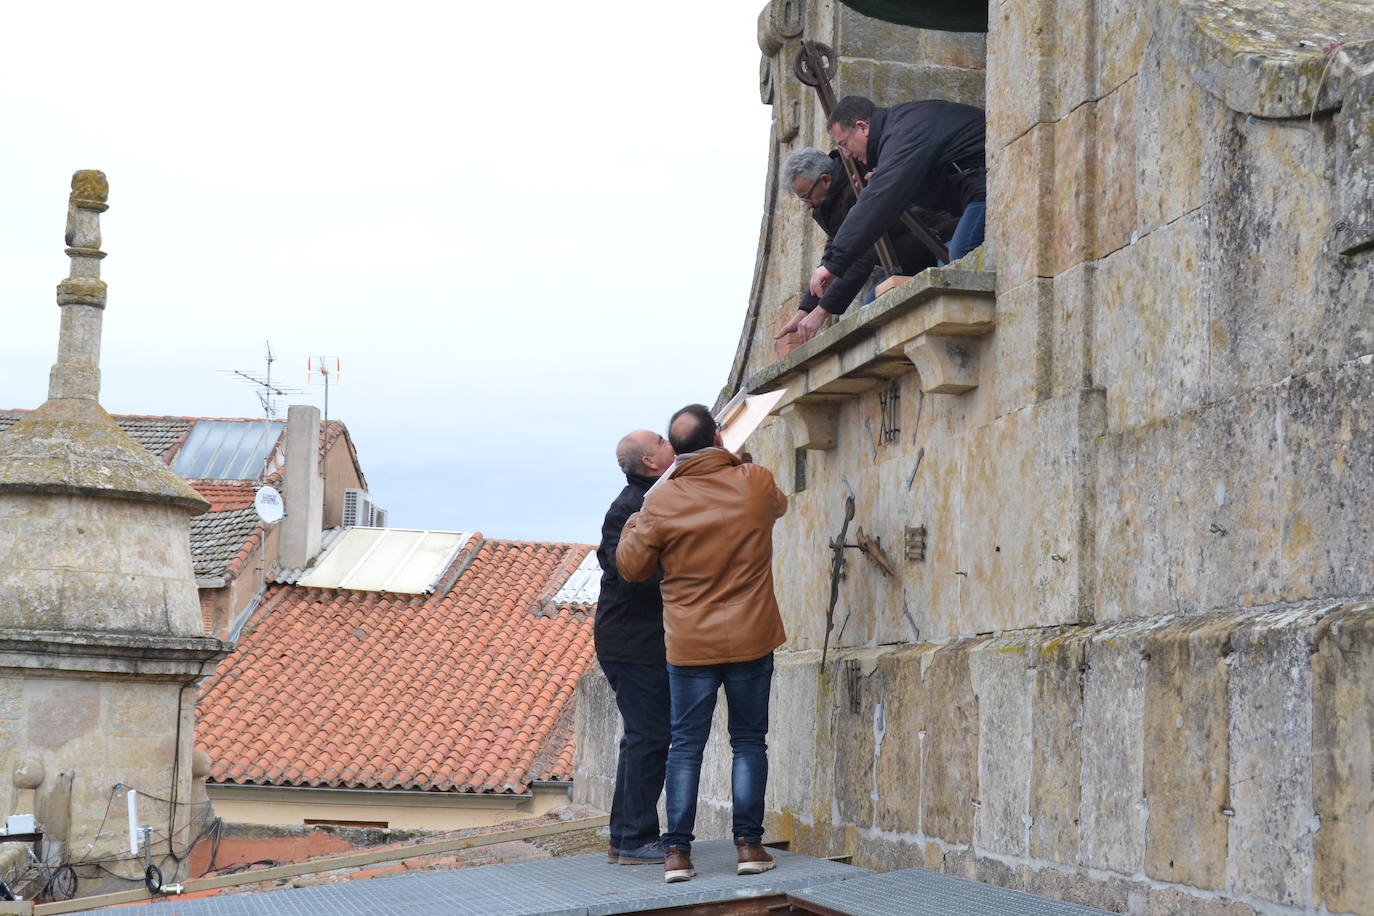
(20, 907)
(329, 864)
(817, 909)
(752, 906)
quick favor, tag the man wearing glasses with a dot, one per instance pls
(928, 153)
(819, 182)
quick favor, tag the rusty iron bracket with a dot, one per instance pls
(836, 573)
(916, 542)
(872, 548)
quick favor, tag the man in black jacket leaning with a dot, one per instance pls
(928, 153)
(820, 183)
(629, 646)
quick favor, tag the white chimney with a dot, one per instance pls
(304, 490)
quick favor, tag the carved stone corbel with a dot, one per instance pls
(813, 425)
(947, 365)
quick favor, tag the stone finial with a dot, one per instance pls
(70, 444)
(82, 295)
(90, 190)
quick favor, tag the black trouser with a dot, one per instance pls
(641, 694)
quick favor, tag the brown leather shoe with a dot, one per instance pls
(752, 858)
(677, 866)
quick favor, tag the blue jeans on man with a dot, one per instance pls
(641, 695)
(968, 234)
(694, 687)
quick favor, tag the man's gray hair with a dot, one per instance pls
(808, 164)
(630, 455)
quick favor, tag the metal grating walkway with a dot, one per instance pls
(573, 886)
(917, 892)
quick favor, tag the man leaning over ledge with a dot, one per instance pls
(709, 526)
(819, 182)
(928, 153)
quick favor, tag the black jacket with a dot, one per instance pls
(912, 255)
(925, 153)
(629, 615)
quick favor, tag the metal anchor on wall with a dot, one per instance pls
(871, 547)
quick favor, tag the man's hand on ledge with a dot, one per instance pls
(805, 324)
(821, 280)
(791, 325)
(812, 323)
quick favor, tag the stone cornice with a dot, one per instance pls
(1271, 60)
(68, 653)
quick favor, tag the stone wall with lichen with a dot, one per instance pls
(1133, 666)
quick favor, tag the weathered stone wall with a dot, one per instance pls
(91, 563)
(1133, 666)
(73, 745)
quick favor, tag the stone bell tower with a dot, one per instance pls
(101, 643)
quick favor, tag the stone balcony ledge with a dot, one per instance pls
(927, 322)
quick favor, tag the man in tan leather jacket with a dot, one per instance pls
(708, 524)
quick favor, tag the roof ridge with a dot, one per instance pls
(542, 606)
(461, 561)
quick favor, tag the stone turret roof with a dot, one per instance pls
(71, 445)
(158, 435)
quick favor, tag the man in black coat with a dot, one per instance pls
(928, 153)
(629, 646)
(819, 181)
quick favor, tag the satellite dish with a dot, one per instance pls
(269, 505)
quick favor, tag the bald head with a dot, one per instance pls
(692, 429)
(644, 452)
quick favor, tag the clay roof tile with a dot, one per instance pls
(465, 691)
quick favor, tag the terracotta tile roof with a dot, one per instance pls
(226, 496)
(218, 538)
(468, 690)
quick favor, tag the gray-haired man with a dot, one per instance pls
(819, 181)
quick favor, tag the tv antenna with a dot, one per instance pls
(267, 391)
(326, 369)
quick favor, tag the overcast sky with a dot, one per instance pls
(526, 228)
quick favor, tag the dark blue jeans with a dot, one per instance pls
(641, 695)
(747, 685)
(968, 235)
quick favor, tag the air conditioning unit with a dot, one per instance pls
(378, 517)
(357, 508)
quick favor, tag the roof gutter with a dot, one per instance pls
(406, 797)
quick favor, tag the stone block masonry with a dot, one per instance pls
(1132, 665)
(1197, 763)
